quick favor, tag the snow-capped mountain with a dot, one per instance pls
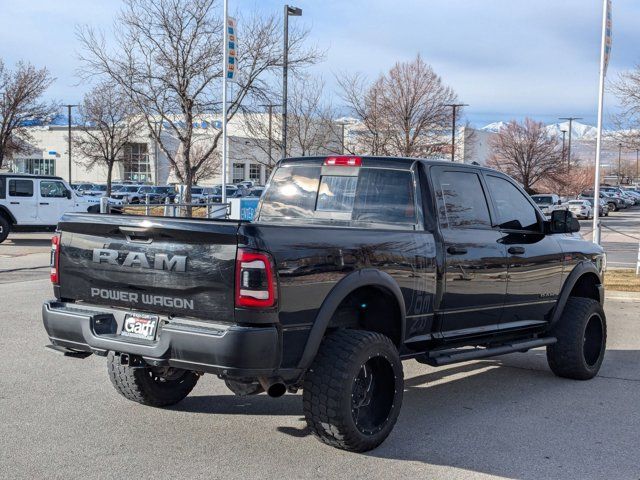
(579, 131)
(494, 127)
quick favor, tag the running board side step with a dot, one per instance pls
(437, 358)
(67, 352)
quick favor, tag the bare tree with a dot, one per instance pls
(107, 124)
(212, 164)
(527, 152)
(310, 124)
(572, 182)
(168, 59)
(404, 112)
(21, 93)
(627, 122)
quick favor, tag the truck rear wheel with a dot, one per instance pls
(582, 337)
(353, 390)
(5, 227)
(154, 386)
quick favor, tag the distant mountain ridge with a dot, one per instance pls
(579, 131)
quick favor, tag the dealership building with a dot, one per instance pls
(143, 160)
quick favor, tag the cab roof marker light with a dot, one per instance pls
(343, 161)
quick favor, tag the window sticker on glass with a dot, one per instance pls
(336, 194)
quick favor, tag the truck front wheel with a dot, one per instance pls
(5, 227)
(582, 336)
(353, 390)
(153, 386)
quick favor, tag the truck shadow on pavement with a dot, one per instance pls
(28, 242)
(509, 417)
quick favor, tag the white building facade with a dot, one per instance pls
(143, 160)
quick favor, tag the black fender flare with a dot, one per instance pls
(7, 214)
(578, 271)
(360, 278)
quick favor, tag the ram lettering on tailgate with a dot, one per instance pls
(161, 261)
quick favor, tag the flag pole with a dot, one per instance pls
(603, 67)
(225, 43)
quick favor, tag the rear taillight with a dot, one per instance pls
(55, 259)
(344, 161)
(255, 282)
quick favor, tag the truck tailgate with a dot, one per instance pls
(170, 266)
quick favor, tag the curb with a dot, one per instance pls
(621, 295)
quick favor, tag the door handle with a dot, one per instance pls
(15, 203)
(516, 250)
(456, 250)
(44, 203)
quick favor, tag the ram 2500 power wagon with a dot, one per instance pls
(351, 265)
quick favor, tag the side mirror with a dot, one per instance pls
(69, 194)
(563, 221)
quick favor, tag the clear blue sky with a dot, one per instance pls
(506, 58)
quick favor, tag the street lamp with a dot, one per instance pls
(564, 134)
(69, 107)
(570, 119)
(293, 12)
(342, 124)
(269, 107)
(454, 108)
(619, 162)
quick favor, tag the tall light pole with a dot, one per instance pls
(269, 107)
(619, 162)
(342, 124)
(564, 134)
(69, 107)
(570, 119)
(637, 159)
(293, 12)
(454, 109)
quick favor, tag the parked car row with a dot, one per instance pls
(127, 192)
(612, 199)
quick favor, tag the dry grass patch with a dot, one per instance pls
(624, 280)
(198, 212)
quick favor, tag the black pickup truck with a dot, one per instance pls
(351, 265)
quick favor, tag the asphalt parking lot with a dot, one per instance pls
(507, 417)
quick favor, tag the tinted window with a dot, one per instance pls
(384, 196)
(3, 181)
(542, 200)
(375, 195)
(51, 189)
(292, 192)
(462, 203)
(21, 188)
(513, 208)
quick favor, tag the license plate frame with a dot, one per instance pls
(140, 326)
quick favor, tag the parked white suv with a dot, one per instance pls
(548, 202)
(35, 202)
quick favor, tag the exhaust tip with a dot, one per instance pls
(277, 390)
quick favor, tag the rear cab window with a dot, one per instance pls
(341, 195)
